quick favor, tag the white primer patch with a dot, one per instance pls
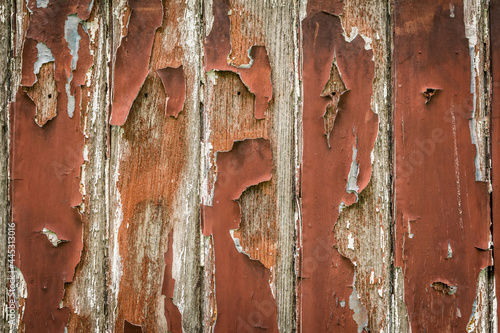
(73, 38)
(52, 237)
(42, 3)
(360, 315)
(44, 56)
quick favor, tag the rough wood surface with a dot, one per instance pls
(248, 166)
(5, 83)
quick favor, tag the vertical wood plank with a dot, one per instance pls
(6, 53)
(154, 169)
(442, 210)
(345, 280)
(90, 313)
(266, 233)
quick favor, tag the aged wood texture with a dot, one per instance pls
(8, 295)
(48, 221)
(267, 229)
(442, 212)
(249, 166)
(154, 171)
(89, 313)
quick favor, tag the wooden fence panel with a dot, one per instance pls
(248, 166)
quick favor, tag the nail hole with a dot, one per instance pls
(239, 93)
(50, 95)
(146, 95)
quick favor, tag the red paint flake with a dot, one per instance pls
(131, 328)
(438, 200)
(174, 83)
(133, 55)
(257, 76)
(174, 319)
(243, 295)
(326, 277)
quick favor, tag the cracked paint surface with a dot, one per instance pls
(325, 280)
(436, 191)
(245, 303)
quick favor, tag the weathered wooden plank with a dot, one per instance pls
(89, 312)
(46, 157)
(442, 211)
(154, 169)
(346, 272)
(8, 296)
(237, 30)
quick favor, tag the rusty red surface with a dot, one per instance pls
(495, 129)
(326, 277)
(244, 299)
(174, 83)
(442, 213)
(45, 171)
(174, 318)
(133, 55)
(256, 76)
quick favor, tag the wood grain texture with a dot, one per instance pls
(267, 229)
(340, 226)
(6, 64)
(154, 179)
(91, 278)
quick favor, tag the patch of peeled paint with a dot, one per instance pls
(44, 56)
(450, 252)
(360, 315)
(471, 14)
(42, 3)
(352, 180)
(72, 36)
(479, 320)
(52, 237)
(236, 241)
(354, 33)
(116, 269)
(248, 163)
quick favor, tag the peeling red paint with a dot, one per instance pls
(326, 277)
(47, 26)
(45, 166)
(133, 55)
(46, 161)
(438, 201)
(172, 313)
(256, 75)
(174, 83)
(243, 295)
(131, 328)
(495, 132)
